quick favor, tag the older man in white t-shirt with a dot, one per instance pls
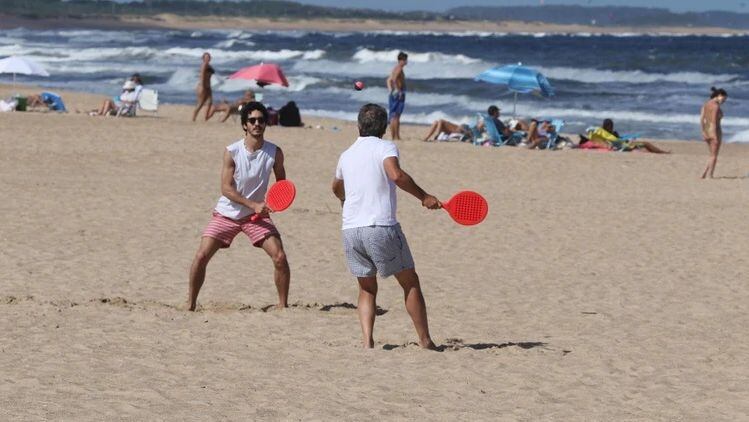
(365, 181)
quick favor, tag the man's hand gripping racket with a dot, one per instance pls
(279, 197)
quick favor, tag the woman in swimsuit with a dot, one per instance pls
(203, 90)
(710, 118)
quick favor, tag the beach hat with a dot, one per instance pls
(128, 85)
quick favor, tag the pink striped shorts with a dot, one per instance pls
(224, 229)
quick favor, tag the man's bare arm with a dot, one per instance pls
(278, 168)
(404, 181)
(338, 189)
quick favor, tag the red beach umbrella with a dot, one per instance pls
(263, 73)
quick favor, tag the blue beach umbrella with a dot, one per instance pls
(519, 79)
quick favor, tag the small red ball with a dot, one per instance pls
(358, 85)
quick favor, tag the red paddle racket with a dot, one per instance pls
(467, 208)
(279, 197)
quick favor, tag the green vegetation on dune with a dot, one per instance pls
(248, 9)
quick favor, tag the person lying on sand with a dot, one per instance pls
(231, 108)
(443, 126)
(607, 137)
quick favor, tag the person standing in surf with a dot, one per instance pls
(203, 90)
(712, 133)
(396, 84)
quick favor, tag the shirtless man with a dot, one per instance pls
(710, 118)
(396, 84)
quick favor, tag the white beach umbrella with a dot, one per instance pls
(21, 65)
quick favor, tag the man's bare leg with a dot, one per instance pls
(367, 308)
(416, 306)
(432, 130)
(206, 250)
(654, 149)
(395, 124)
(282, 273)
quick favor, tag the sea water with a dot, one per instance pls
(653, 84)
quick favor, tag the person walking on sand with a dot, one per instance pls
(203, 90)
(710, 118)
(365, 180)
(396, 84)
(245, 175)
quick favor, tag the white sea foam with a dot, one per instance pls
(588, 75)
(417, 70)
(366, 55)
(233, 42)
(582, 34)
(296, 83)
(740, 137)
(256, 55)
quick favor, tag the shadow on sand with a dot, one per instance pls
(455, 344)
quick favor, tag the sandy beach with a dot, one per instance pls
(602, 286)
(170, 21)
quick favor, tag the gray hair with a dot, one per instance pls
(373, 120)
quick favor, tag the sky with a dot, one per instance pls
(440, 5)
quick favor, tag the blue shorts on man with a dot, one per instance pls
(396, 103)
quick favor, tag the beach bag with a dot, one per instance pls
(288, 115)
(272, 116)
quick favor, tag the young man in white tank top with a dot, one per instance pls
(245, 177)
(373, 242)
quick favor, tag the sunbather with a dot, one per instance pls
(539, 131)
(47, 99)
(443, 126)
(231, 108)
(605, 136)
(117, 105)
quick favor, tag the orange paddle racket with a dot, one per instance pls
(279, 197)
(467, 208)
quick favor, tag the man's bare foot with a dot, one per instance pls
(368, 344)
(190, 307)
(427, 344)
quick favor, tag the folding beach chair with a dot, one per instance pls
(496, 138)
(554, 136)
(148, 100)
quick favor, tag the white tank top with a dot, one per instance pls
(252, 172)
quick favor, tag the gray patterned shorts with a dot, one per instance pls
(376, 249)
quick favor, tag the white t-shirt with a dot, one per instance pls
(370, 195)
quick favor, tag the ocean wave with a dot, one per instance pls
(432, 70)
(257, 55)
(587, 75)
(577, 34)
(740, 137)
(414, 118)
(296, 83)
(366, 55)
(233, 42)
(688, 120)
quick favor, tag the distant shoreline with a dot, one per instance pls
(168, 21)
